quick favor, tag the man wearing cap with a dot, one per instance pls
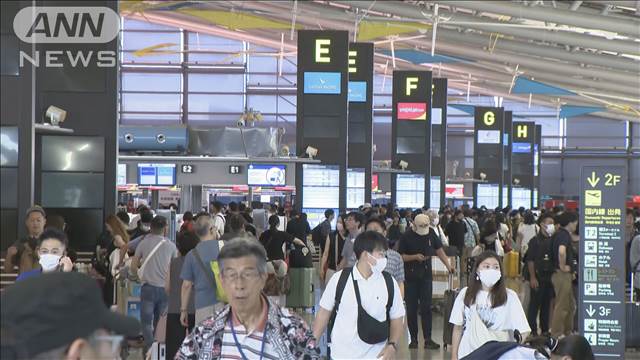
(61, 316)
(151, 264)
(416, 247)
(22, 252)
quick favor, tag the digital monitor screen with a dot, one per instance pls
(454, 191)
(156, 174)
(320, 186)
(536, 159)
(122, 174)
(355, 188)
(412, 111)
(410, 191)
(357, 91)
(505, 196)
(411, 145)
(535, 197)
(322, 82)
(435, 193)
(488, 137)
(487, 195)
(521, 148)
(505, 139)
(436, 116)
(316, 216)
(266, 175)
(520, 197)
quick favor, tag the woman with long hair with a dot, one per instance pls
(331, 253)
(120, 238)
(489, 240)
(527, 230)
(486, 310)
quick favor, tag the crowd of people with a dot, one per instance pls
(224, 281)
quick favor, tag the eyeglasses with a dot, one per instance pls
(247, 275)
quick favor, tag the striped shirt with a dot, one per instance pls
(395, 265)
(251, 343)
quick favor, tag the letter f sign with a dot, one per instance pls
(412, 83)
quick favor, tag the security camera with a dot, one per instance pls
(516, 181)
(311, 152)
(373, 148)
(403, 164)
(241, 122)
(483, 176)
(284, 150)
(55, 115)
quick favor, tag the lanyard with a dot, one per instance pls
(235, 339)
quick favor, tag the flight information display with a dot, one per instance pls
(435, 192)
(157, 174)
(520, 197)
(321, 186)
(355, 188)
(487, 195)
(122, 174)
(410, 191)
(316, 216)
(266, 175)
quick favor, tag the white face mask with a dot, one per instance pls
(436, 221)
(49, 261)
(379, 266)
(489, 277)
(550, 229)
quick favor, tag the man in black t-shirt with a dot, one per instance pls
(563, 260)
(416, 247)
(455, 230)
(540, 268)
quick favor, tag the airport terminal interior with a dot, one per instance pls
(320, 179)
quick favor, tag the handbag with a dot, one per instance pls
(370, 330)
(480, 334)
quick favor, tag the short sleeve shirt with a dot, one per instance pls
(156, 269)
(395, 265)
(273, 241)
(509, 316)
(562, 238)
(192, 271)
(411, 244)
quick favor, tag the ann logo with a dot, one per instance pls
(66, 24)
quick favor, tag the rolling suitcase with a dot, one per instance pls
(449, 298)
(301, 293)
(512, 264)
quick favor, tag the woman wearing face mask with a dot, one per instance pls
(52, 254)
(489, 240)
(435, 225)
(485, 310)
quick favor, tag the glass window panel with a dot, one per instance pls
(263, 63)
(134, 41)
(130, 24)
(218, 119)
(262, 103)
(382, 100)
(216, 82)
(262, 79)
(215, 103)
(151, 102)
(290, 64)
(378, 82)
(287, 104)
(151, 82)
(200, 42)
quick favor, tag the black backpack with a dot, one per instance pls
(544, 259)
(342, 282)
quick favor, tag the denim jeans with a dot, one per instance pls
(153, 301)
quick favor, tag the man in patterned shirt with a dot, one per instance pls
(250, 326)
(395, 265)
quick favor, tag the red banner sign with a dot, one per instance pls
(412, 111)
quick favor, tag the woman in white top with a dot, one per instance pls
(526, 231)
(117, 229)
(485, 310)
(489, 240)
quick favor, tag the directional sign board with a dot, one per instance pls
(602, 265)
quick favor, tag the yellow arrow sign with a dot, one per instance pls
(593, 180)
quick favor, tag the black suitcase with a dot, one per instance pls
(449, 299)
(632, 333)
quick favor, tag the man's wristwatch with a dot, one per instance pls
(395, 347)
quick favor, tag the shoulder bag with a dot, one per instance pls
(146, 260)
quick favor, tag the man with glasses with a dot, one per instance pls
(250, 326)
(354, 224)
(61, 316)
(52, 254)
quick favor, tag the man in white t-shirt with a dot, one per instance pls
(218, 217)
(368, 279)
